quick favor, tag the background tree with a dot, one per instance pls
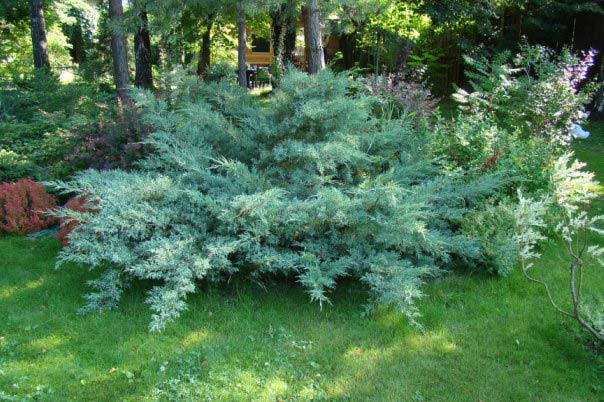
(241, 44)
(119, 51)
(142, 49)
(284, 26)
(205, 52)
(38, 34)
(313, 37)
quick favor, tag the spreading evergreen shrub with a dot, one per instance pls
(24, 207)
(78, 204)
(309, 186)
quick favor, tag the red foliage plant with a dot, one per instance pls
(23, 207)
(68, 225)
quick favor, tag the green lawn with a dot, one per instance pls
(486, 338)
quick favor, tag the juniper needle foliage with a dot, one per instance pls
(309, 186)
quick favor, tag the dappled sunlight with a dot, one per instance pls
(193, 339)
(361, 364)
(274, 387)
(10, 291)
(48, 343)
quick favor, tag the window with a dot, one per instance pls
(260, 45)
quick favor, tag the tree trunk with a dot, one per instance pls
(142, 54)
(205, 53)
(347, 44)
(307, 39)
(163, 53)
(77, 51)
(119, 51)
(283, 20)
(377, 54)
(312, 36)
(38, 34)
(241, 46)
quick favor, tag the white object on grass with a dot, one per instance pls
(577, 131)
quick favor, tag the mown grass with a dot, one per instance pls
(486, 338)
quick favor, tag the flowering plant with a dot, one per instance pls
(535, 93)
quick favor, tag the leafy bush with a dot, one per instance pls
(24, 206)
(221, 71)
(292, 189)
(518, 118)
(402, 94)
(477, 144)
(113, 142)
(494, 226)
(535, 93)
(516, 122)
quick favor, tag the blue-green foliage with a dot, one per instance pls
(307, 186)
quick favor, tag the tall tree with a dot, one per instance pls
(206, 47)
(312, 36)
(38, 34)
(119, 51)
(241, 44)
(284, 24)
(142, 52)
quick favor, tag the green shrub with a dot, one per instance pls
(38, 116)
(292, 189)
(221, 71)
(494, 226)
(477, 144)
(14, 167)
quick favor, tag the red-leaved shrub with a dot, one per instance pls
(23, 207)
(68, 225)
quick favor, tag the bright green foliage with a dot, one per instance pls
(517, 122)
(572, 190)
(519, 116)
(476, 143)
(535, 93)
(14, 167)
(309, 187)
